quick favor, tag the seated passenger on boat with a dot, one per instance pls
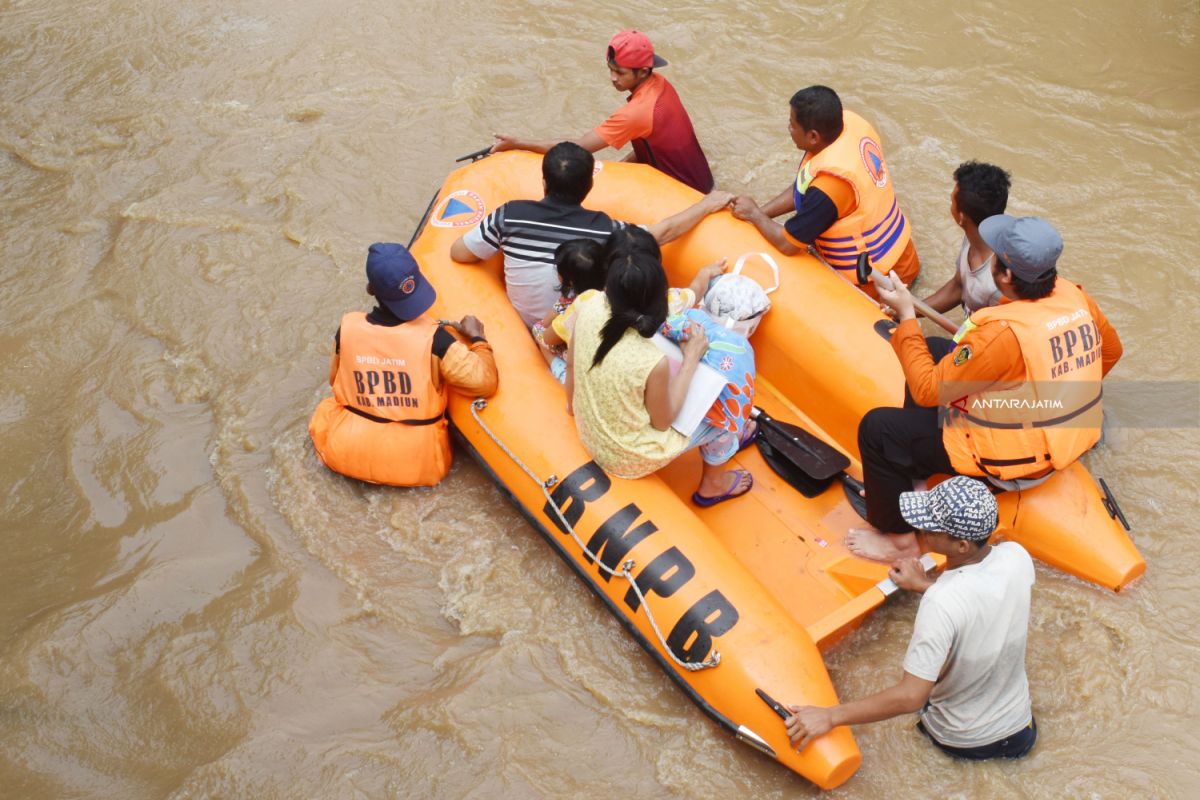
(653, 119)
(391, 372)
(529, 231)
(1018, 398)
(729, 352)
(619, 383)
(580, 273)
(582, 268)
(964, 671)
(843, 199)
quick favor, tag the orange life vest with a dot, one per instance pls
(876, 225)
(386, 420)
(1052, 417)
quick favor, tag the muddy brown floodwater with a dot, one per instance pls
(192, 606)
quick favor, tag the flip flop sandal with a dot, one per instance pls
(748, 436)
(705, 502)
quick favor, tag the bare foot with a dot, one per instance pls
(875, 545)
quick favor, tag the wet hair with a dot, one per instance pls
(636, 288)
(818, 108)
(579, 266)
(567, 170)
(982, 190)
(1034, 290)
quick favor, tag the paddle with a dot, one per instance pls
(775, 705)
(800, 448)
(864, 271)
(808, 464)
(478, 154)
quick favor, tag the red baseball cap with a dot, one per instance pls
(632, 50)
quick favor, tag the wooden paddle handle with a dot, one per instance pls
(940, 319)
(863, 270)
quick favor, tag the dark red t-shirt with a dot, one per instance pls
(661, 131)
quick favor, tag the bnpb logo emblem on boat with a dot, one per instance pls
(459, 209)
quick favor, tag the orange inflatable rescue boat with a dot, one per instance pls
(738, 600)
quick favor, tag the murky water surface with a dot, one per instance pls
(191, 606)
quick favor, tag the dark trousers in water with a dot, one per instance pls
(1015, 746)
(898, 446)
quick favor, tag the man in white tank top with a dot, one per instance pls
(980, 191)
(965, 666)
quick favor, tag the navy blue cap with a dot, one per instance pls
(397, 280)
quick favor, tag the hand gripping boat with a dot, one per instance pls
(743, 596)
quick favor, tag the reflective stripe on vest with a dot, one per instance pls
(1052, 417)
(876, 225)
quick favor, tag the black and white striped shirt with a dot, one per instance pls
(528, 232)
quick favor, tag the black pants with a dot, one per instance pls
(898, 446)
(1016, 746)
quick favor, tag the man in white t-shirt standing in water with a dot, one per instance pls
(965, 666)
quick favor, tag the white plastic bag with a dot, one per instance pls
(737, 301)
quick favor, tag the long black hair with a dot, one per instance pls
(636, 288)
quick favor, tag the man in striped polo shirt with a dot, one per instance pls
(528, 231)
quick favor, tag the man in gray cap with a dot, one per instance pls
(964, 671)
(1016, 398)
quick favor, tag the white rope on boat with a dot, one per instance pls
(626, 571)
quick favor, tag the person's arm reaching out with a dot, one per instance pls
(590, 141)
(677, 225)
(948, 296)
(906, 697)
(782, 203)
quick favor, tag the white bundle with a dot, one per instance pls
(737, 301)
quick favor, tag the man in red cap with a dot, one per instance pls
(653, 119)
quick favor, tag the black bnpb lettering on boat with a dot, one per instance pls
(712, 615)
(663, 576)
(581, 487)
(691, 638)
(615, 538)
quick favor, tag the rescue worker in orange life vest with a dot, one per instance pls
(843, 197)
(1018, 390)
(391, 372)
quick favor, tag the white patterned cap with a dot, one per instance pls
(962, 507)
